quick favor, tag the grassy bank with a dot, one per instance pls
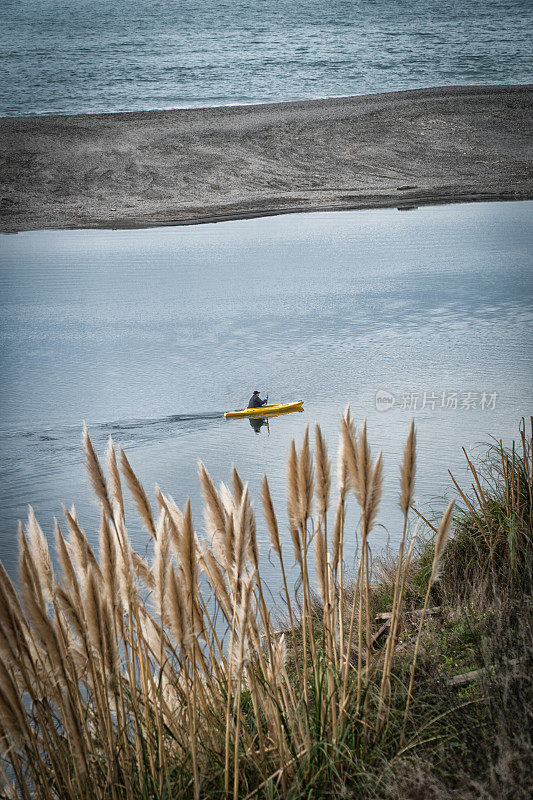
(121, 678)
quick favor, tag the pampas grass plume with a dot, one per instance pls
(407, 471)
(323, 471)
(139, 495)
(441, 539)
(96, 473)
(270, 516)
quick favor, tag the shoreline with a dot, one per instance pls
(212, 219)
(160, 168)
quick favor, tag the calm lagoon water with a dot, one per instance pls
(150, 335)
(86, 56)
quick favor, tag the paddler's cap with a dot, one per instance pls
(256, 392)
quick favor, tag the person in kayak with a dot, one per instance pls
(255, 401)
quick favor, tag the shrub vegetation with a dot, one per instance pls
(121, 678)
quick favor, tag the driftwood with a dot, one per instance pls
(378, 633)
(387, 614)
(466, 677)
(473, 675)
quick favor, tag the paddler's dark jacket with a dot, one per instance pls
(256, 402)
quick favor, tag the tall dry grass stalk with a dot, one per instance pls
(407, 480)
(127, 677)
(441, 539)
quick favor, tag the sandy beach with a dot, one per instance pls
(398, 149)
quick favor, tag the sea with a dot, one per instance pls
(90, 56)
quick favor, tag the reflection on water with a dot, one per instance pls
(258, 423)
(148, 335)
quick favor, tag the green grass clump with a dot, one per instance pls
(492, 546)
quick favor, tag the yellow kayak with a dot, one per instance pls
(265, 411)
